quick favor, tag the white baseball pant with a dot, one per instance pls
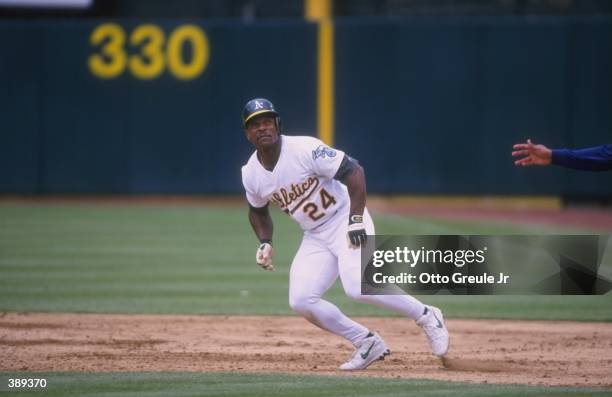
(322, 256)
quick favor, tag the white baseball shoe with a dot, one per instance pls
(432, 323)
(368, 350)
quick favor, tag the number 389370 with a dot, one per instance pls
(17, 383)
(150, 53)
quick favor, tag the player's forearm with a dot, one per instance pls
(261, 222)
(356, 185)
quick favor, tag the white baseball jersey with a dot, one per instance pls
(302, 183)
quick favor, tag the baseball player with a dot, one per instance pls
(323, 190)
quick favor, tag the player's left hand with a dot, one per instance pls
(356, 232)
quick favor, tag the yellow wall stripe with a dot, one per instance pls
(315, 10)
(321, 11)
(326, 82)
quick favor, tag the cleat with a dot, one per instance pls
(370, 349)
(432, 323)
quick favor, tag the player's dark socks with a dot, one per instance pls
(425, 311)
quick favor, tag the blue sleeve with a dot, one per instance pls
(598, 158)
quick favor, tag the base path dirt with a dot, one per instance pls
(482, 351)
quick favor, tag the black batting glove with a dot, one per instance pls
(356, 232)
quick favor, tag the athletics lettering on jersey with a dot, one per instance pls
(284, 198)
(305, 168)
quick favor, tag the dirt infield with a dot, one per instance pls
(482, 351)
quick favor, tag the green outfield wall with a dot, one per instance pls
(426, 105)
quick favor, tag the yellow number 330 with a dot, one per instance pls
(151, 59)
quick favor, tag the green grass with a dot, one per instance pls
(182, 384)
(126, 259)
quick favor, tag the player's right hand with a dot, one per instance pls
(264, 256)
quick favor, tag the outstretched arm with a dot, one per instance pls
(598, 158)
